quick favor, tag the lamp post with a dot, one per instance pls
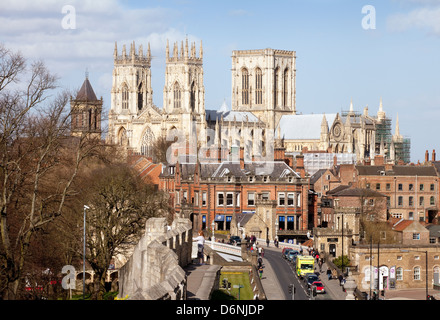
(426, 266)
(84, 253)
(213, 236)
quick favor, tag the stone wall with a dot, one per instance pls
(154, 271)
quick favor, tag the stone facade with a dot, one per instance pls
(154, 271)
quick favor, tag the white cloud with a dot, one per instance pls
(426, 18)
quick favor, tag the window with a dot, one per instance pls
(377, 186)
(416, 236)
(244, 87)
(124, 96)
(388, 201)
(410, 215)
(204, 198)
(432, 188)
(237, 199)
(421, 201)
(411, 201)
(281, 222)
(229, 199)
(416, 273)
(411, 187)
(399, 187)
(251, 199)
(140, 97)
(422, 187)
(177, 96)
(265, 196)
(388, 187)
(290, 199)
(399, 273)
(400, 201)
(432, 201)
(258, 86)
(196, 199)
(275, 87)
(220, 199)
(290, 222)
(286, 87)
(281, 199)
(192, 99)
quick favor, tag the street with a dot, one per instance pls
(285, 273)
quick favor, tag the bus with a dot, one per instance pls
(304, 264)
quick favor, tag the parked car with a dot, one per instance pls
(291, 255)
(285, 252)
(235, 240)
(310, 279)
(319, 286)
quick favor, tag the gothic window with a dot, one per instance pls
(193, 97)
(177, 96)
(140, 97)
(286, 87)
(147, 143)
(275, 87)
(258, 86)
(124, 96)
(244, 87)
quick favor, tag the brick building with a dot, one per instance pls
(271, 192)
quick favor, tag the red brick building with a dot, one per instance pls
(219, 192)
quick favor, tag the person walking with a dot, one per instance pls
(329, 273)
(260, 270)
(200, 246)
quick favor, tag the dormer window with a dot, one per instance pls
(251, 179)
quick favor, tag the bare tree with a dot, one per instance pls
(38, 161)
(120, 204)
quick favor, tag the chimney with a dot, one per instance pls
(426, 156)
(379, 160)
(241, 157)
(433, 155)
(300, 165)
(335, 161)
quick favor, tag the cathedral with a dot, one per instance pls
(263, 108)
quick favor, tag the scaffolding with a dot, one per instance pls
(316, 161)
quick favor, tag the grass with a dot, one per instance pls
(235, 278)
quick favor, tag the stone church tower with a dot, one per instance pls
(263, 82)
(86, 111)
(184, 91)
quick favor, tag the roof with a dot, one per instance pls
(357, 192)
(304, 127)
(213, 115)
(397, 171)
(86, 92)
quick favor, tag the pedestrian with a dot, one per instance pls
(334, 274)
(262, 252)
(341, 278)
(260, 270)
(260, 263)
(329, 273)
(200, 246)
(267, 241)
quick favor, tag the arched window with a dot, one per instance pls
(192, 101)
(122, 137)
(244, 87)
(417, 273)
(124, 96)
(258, 86)
(140, 97)
(286, 88)
(275, 87)
(147, 143)
(177, 96)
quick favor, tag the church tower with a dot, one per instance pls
(131, 90)
(86, 111)
(184, 91)
(263, 82)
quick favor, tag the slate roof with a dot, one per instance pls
(304, 127)
(213, 115)
(86, 92)
(356, 192)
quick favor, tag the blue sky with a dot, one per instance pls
(337, 59)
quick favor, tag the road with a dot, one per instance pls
(284, 270)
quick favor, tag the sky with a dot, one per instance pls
(359, 50)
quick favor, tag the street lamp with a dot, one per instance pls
(213, 236)
(426, 266)
(84, 253)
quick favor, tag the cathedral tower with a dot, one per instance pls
(184, 91)
(263, 82)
